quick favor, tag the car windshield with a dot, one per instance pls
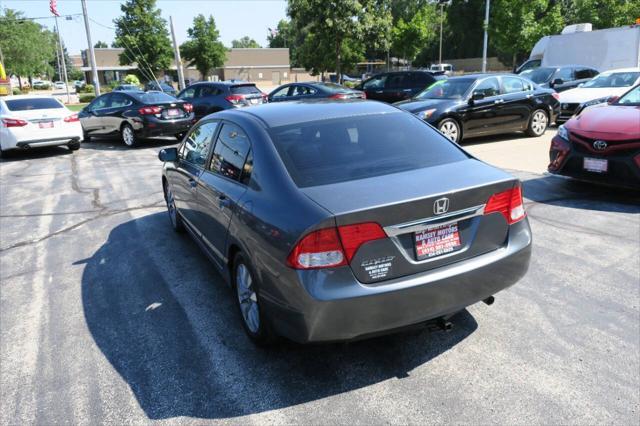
(350, 148)
(630, 98)
(453, 88)
(32, 103)
(538, 75)
(246, 89)
(152, 97)
(616, 79)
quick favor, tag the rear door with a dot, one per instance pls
(374, 87)
(221, 186)
(517, 95)
(397, 87)
(192, 159)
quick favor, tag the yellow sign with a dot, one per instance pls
(3, 75)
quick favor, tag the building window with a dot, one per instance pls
(260, 75)
(284, 75)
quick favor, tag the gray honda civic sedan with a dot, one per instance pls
(342, 220)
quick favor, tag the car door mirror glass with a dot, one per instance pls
(168, 154)
(557, 82)
(477, 96)
(613, 99)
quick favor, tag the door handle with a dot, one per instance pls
(192, 183)
(529, 96)
(377, 91)
(406, 90)
(223, 201)
(498, 101)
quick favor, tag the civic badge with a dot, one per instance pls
(441, 205)
(600, 145)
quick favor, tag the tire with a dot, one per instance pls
(129, 137)
(248, 302)
(86, 137)
(450, 129)
(538, 123)
(74, 146)
(172, 210)
(179, 136)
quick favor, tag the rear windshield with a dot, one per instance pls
(152, 97)
(332, 87)
(538, 75)
(32, 103)
(344, 149)
(246, 89)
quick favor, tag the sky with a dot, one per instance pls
(234, 18)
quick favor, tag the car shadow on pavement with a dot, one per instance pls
(165, 321)
(35, 153)
(116, 144)
(560, 191)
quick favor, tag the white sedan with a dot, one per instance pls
(28, 121)
(597, 90)
(59, 85)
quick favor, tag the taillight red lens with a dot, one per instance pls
(150, 110)
(72, 118)
(235, 99)
(556, 96)
(13, 122)
(508, 203)
(331, 247)
(338, 96)
(319, 249)
(364, 95)
(187, 107)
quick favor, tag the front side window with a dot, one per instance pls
(488, 87)
(187, 93)
(101, 103)
(195, 148)
(512, 85)
(282, 93)
(120, 101)
(631, 98)
(207, 91)
(230, 152)
(396, 81)
(538, 75)
(447, 89)
(376, 82)
(565, 74)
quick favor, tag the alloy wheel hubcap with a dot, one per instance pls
(247, 298)
(450, 130)
(127, 135)
(539, 123)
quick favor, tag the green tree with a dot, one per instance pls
(101, 45)
(281, 36)
(28, 48)
(245, 42)
(142, 33)
(411, 36)
(601, 13)
(204, 49)
(131, 79)
(516, 25)
(339, 26)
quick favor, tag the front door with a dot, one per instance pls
(374, 87)
(221, 186)
(192, 157)
(482, 116)
(91, 117)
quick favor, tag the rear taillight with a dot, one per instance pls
(265, 98)
(508, 203)
(338, 96)
(331, 247)
(556, 96)
(13, 122)
(364, 95)
(235, 99)
(150, 110)
(187, 107)
(71, 119)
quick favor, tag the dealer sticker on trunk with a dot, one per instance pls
(437, 241)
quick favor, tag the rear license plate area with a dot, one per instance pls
(45, 124)
(253, 101)
(595, 165)
(436, 241)
(172, 113)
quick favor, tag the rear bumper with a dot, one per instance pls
(152, 126)
(337, 307)
(39, 143)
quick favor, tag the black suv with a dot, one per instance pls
(560, 78)
(207, 97)
(397, 85)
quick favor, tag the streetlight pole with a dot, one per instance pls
(63, 62)
(486, 35)
(92, 54)
(176, 54)
(441, 20)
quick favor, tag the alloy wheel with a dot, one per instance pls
(247, 298)
(450, 130)
(539, 122)
(127, 136)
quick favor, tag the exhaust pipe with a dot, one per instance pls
(489, 300)
(445, 325)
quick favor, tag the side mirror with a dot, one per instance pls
(613, 99)
(581, 84)
(557, 82)
(168, 155)
(476, 96)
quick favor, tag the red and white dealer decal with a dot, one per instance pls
(437, 241)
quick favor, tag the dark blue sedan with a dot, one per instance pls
(313, 90)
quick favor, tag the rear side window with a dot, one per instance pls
(512, 85)
(153, 97)
(247, 89)
(29, 104)
(421, 80)
(376, 82)
(397, 81)
(208, 91)
(345, 149)
(230, 152)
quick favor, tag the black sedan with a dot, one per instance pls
(338, 220)
(484, 104)
(560, 78)
(135, 115)
(313, 90)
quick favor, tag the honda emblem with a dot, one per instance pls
(441, 205)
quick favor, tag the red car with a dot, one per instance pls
(602, 143)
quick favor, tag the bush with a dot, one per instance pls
(86, 98)
(87, 88)
(17, 92)
(132, 79)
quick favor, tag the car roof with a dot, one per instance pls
(286, 113)
(621, 70)
(12, 97)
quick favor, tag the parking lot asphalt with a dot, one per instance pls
(108, 316)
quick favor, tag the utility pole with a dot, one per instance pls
(64, 65)
(441, 3)
(486, 35)
(176, 53)
(92, 54)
